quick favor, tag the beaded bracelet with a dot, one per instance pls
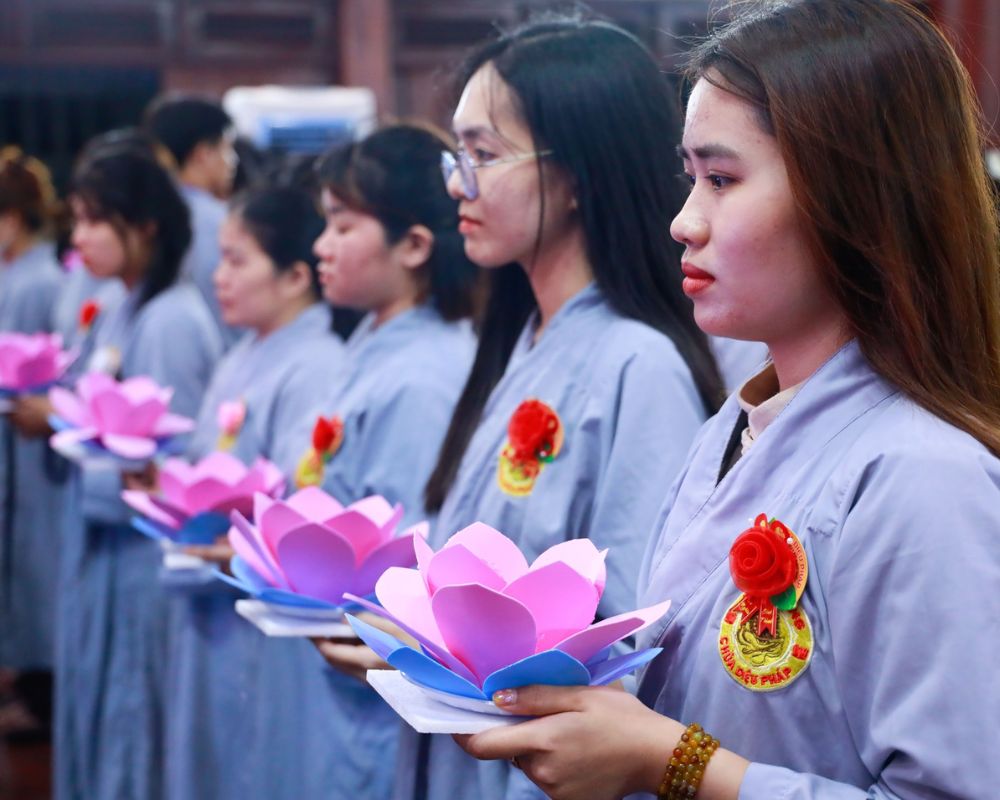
(686, 767)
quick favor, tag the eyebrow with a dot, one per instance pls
(709, 151)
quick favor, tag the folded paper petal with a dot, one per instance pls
(560, 600)
(496, 550)
(586, 643)
(244, 539)
(172, 425)
(145, 505)
(582, 556)
(68, 406)
(551, 668)
(396, 552)
(415, 665)
(614, 668)
(485, 629)
(363, 534)
(153, 530)
(401, 593)
(440, 653)
(377, 509)
(132, 448)
(317, 562)
(203, 528)
(457, 565)
(314, 504)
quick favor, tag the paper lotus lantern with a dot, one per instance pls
(195, 500)
(486, 620)
(128, 419)
(309, 550)
(29, 362)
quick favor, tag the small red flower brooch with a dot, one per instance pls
(534, 439)
(327, 436)
(765, 640)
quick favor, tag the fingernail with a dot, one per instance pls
(505, 697)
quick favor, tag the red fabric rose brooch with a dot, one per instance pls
(534, 438)
(765, 640)
(327, 436)
(89, 312)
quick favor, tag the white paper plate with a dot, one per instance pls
(305, 612)
(457, 701)
(264, 619)
(424, 713)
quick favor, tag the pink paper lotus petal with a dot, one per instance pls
(585, 644)
(582, 556)
(167, 507)
(68, 406)
(560, 600)
(248, 546)
(220, 465)
(317, 563)
(493, 548)
(437, 651)
(457, 565)
(402, 593)
(114, 413)
(71, 437)
(206, 494)
(485, 629)
(173, 484)
(92, 383)
(172, 425)
(270, 478)
(363, 534)
(396, 552)
(276, 519)
(130, 447)
(376, 508)
(314, 504)
(424, 554)
(143, 504)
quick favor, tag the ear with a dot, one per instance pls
(415, 248)
(298, 279)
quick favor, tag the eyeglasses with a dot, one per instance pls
(466, 167)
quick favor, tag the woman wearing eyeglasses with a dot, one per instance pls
(591, 377)
(831, 549)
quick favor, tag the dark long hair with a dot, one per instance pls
(879, 130)
(119, 180)
(285, 223)
(394, 175)
(593, 95)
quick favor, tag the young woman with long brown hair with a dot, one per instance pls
(831, 547)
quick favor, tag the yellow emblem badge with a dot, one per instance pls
(765, 640)
(534, 439)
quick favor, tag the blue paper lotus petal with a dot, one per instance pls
(550, 667)
(247, 580)
(152, 529)
(615, 668)
(414, 664)
(203, 528)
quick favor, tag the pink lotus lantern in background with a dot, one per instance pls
(309, 550)
(486, 620)
(127, 419)
(195, 500)
(31, 362)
